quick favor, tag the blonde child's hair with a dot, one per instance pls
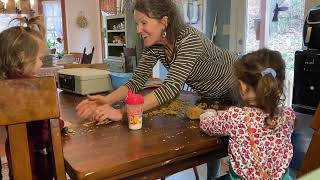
(268, 88)
(20, 45)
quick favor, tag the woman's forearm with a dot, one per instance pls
(117, 95)
(150, 101)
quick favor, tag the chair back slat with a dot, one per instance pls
(57, 149)
(19, 152)
(77, 57)
(26, 100)
(130, 55)
(187, 88)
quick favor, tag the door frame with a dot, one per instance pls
(238, 23)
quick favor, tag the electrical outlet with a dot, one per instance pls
(226, 29)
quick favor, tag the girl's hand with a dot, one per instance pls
(86, 108)
(107, 112)
(67, 124)
(212, 111)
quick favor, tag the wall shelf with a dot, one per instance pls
(118, 27)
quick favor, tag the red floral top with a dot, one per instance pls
(274, 145)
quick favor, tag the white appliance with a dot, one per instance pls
(84, 80)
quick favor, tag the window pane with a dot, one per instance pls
(53, 23)
(286, 25)
(253, 24)
(5, 20)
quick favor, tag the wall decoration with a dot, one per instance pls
(82, 21)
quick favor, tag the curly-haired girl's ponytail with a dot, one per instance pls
(34, 25)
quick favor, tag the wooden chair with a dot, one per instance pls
(187, 88)
(311, 160)
(87, 58)
(130, 56)
(77, 57)
(23, 101)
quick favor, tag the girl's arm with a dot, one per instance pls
(213, 124)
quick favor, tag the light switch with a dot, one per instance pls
(226, 29)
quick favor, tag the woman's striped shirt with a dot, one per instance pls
(196, 61)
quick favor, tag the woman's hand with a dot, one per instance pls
(107, 112)
(86, 108)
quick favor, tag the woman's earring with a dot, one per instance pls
(164, 34)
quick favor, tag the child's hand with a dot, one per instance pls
(100, 100)
(86, 108)
(107, 112)
(67, 124)
(212, 111)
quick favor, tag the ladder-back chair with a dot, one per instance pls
(77, 57)
(28, 100)
(130, 56)
(87, 58)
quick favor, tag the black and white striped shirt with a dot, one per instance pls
(196, 61)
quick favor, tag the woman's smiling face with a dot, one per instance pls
(150, 29)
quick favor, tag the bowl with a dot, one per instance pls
(118, 79)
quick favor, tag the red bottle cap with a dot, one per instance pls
(133, 98)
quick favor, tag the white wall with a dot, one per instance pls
(91, 36)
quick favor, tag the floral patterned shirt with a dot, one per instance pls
(274, 145)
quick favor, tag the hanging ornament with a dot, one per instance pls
(82, 21)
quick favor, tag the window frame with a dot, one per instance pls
(63, 16)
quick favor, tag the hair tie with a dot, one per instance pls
(269, 71)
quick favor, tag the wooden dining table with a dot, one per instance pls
(165, 145)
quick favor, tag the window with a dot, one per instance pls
(284, 24)
(5, 20)
(53, 22)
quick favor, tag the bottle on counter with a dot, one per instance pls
(134, 106)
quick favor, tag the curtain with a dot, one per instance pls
(109, 6)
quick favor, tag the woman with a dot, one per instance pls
(186, 53)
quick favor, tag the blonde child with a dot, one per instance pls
(20, 50)
(259, 132)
